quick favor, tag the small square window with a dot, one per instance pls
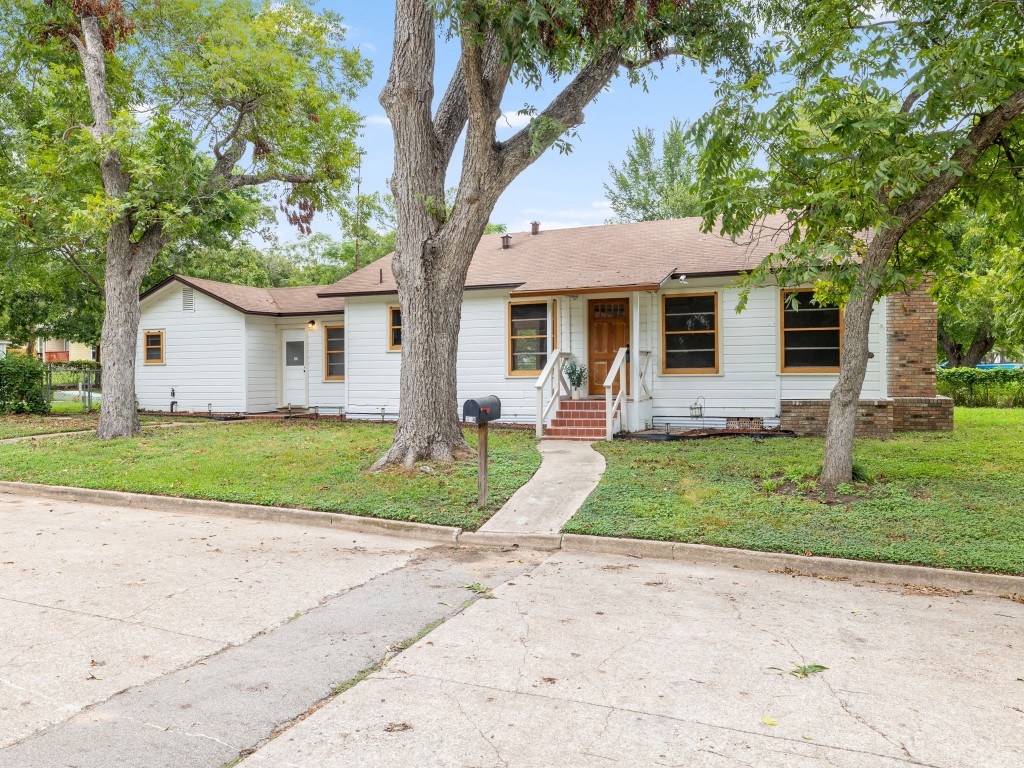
(153, 347)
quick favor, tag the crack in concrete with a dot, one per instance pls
(477, 728)
(108, 618)
(910, 760)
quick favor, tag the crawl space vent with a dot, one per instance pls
(188, 300)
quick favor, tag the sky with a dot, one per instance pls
(558, 190)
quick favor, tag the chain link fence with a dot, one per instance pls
(71, 388)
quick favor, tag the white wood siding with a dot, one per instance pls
(749, 382)
(327, 395)
(261, 364)
(204, 352)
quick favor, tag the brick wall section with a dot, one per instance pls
(810, 417)
(922, 414)
(913, 326)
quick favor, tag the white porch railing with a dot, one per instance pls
(613, 402)
(552, 372)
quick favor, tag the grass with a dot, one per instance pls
(306, 464)
(953, 499)
(64, 421)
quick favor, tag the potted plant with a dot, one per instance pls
(576, 373)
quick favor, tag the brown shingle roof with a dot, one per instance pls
(302, 300)
(639, 255)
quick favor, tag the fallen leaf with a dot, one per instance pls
(769, 720)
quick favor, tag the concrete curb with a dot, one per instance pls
(543, 542)
(699, 554)
(355, 523)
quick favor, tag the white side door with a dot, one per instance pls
(293, 368)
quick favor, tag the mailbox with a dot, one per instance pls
(482, 410)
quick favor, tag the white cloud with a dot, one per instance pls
(513, 120)
(378, 120)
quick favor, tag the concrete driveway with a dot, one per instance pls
(135, 638)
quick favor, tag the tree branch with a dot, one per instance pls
(566, 109)
(979, 138)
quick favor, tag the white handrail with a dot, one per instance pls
(555, 361)
(613, 404)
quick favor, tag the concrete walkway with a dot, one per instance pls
(568, 473)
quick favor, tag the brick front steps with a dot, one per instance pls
(578, 420)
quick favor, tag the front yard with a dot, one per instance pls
(307, 464)
(954, 500)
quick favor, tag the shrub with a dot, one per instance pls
(983, 388)
(21, 385)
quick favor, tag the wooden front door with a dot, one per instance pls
(607, 332)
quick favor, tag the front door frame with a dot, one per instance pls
(281, 346)
(596, 387)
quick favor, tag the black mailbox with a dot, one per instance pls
(482, 410)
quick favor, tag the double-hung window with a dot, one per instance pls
(527, 338)
(811, 333)
(334, 352)
(690, 335)
(153, 347)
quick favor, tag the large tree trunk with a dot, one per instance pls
(837, 466)
(430, 294)
(118, 413)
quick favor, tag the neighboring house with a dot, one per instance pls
(62, 350)
(205, 345)
(651, 303)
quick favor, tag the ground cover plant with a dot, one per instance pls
(297, 463)
(948, 499)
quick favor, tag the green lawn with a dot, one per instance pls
(27, 425)
(22, 426)
(307, 464)
(951, 499)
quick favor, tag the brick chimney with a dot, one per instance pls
(913, 327)
(912, 320)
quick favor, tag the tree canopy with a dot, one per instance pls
(648, 185)
(148, 122)
(864, 118)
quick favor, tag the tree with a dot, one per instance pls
(649, 187)
(977, 313)
(864, 119)
(172, 106)
(584, 44)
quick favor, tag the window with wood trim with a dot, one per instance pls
(811, 333)
(334, 352)
(527, 338)
(153, 347)
(690, 333)
(394, 327)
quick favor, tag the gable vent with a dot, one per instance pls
(188, 300)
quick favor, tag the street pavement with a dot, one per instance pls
(285, 647)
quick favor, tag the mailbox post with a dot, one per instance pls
(482, 410)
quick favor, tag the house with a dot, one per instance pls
(649, 308)
(211, 346)
(63, 350)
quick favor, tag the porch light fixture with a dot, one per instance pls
(311, 324)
